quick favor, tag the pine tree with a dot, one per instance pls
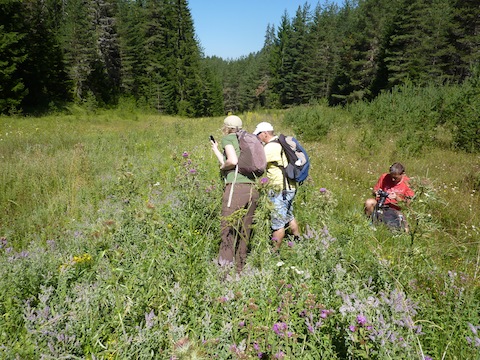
(324, 50)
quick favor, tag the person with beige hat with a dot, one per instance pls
(233, 247)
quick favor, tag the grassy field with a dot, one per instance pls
(109, 227)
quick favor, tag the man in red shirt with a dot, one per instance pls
(395, 183)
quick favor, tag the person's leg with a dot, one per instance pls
(278, 236)
(295, 230)
(227, 244)
(248, 196)
(369, 206)
(283, 214)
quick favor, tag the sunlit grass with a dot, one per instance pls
(110, 227)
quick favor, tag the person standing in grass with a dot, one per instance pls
(395, 183)
(283, 190)
(235, 232)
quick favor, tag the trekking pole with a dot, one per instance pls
(231, 189)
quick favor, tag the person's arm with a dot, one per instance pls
(217, 152)
(232, 158)
(378, 185)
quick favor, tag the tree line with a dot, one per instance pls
(102, 52)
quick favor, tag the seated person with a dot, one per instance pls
(395, 183)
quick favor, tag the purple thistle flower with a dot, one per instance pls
(193, 171)
(323, 190)
(264, 180)
(279, 328)
(290, 244)
(361, 320)
(279, 355)
(185, 154)
(241, 324)
(256, 346)
(352, 328)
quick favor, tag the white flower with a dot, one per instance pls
(280, 263)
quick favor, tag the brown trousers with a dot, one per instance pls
(235, 229)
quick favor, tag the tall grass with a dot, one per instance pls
(110, 228)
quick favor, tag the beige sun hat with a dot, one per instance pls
(233, 121)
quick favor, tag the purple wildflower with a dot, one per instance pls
(264, 180)
(361, 320)
(185, 154)
(241, 324)
(193, 171)
(290, 244)
(323, 190)
(279, 355)
(352, 328)
(279, 328)
(149, 319)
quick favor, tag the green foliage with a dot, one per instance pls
(313, 123)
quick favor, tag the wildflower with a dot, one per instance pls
(324, 314)
(280, 263)
(290, 244)
(362, 320)
(280, 328)
(323, 190)
(472, 328)
(256, 347)
(352, 328)
(241, 324)
(274, 239)
(264, 180)
(185, 154)
(279, 355)
(193, 171)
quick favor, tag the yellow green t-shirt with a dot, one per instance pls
(275, 160)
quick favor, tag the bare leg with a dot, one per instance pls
(369, 206)
(278, 235)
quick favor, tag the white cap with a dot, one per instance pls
(263, 126)
(232, 121)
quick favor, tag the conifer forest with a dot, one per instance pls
(104, 52)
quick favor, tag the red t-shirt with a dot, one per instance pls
(401, 189)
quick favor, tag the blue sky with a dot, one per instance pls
(234, 28)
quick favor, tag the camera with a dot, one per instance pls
(383, 196)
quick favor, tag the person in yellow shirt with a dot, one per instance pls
(283, 190)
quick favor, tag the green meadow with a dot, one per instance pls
(109, 226)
